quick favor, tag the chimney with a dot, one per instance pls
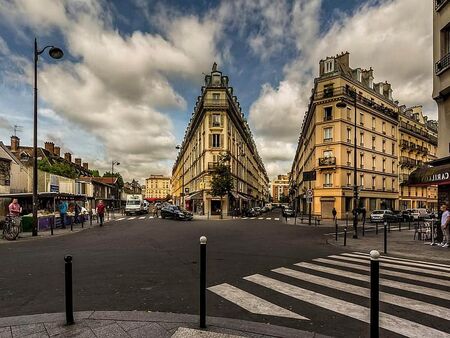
(15, 144)
(86, 166)
(78, 161)
(68, 157)
(57, 151)
(49, 146)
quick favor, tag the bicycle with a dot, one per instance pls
(10, 229)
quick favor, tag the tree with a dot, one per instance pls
(95, 173)
(222, 181)
(57, 168)
(119, 178)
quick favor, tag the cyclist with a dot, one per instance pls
(14, 209)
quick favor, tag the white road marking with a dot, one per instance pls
(253, 218)
(260, 217)
(143, 217)
(400, 267)
(413, 304)
(252, 303)
(276, 219)
(288, 219)
(386, 271)
(268, 218)
(131, 218)
(387, 321)
(244, 217)
(389, 283)
(424, 264)
(151, 217)
(390, 258)
(121, 219)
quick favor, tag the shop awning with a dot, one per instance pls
(426, 175)
(195, 196)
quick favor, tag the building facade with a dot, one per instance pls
(325, 157)
(157, 187)
(217, 127)
(280, 187)
(441, 77)
(417, 146)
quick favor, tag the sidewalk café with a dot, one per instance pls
(48, 211)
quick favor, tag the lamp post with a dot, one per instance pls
(55, 53)
(178, 147)
(342, 104)
(113, 163)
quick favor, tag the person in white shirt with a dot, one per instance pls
(445, 220)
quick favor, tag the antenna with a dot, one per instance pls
(17, 129)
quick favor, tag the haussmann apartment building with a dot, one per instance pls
(157, 187)
(218, 126)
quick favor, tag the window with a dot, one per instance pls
(216, 140)
(373, 123)
(393, 167)
(328, 153)
(349, 179)
(327, 134)
(328, 181)
(361, 180)
(349, 113)
(384, 146)
(384, 165)
(373, 142)
(216, 96)
(349, 134)
(393, 148)
(373, 182)
(328, 114)
(361, 139)
(373, 162)
(383, 127)
(216, 120)
(328, 90)
(384, 183)
(361, 160)
(329, 66)
(361, 119)
(393, 184)
(393, 131)
(348, 157)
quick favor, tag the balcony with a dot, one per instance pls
(403, 178)
(328, 139)
(215, 103)
(327, 161)
(328, 185)
(212, 165)
(404, 144)
(438, 4)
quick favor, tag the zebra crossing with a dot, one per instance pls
(136, 217)
(414, 295)
(262, 218)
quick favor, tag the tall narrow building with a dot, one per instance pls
(217, 127)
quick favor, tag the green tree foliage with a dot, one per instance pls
(119, 178)
(222, 181)
(57, 168)
(95, 173)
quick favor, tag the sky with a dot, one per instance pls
(132, 70)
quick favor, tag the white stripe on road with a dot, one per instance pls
(396, 259)
(276, 219)
(253, 218)
(428, 271)
(417, 305)
(389, 283)
(131, 218)
(442, 267)
(261, 218)
(386, 272)
(288, 219)
(143, 217)
(121, 219)
(244, 217)
(268, 218)
(387, 321)
(252, 303)
(151, 217)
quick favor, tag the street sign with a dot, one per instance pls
(309, 193)
(309, 175)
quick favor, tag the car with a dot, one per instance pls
(381, 215)
(251, 213)
(258, 210)
(396, 217)
(407, 217)
(175, 212)
(288, 212)
(420, 213)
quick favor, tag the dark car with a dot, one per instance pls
(288, 212)
(175, 212)
(407, 216)
(251, 212)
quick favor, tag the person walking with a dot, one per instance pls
(63, 207)
(101, 211)
(445, 222)
(334, 212)
(363, 213)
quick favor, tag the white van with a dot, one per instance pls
(420, 213)
(135, 205)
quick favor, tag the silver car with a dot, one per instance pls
(380, 215)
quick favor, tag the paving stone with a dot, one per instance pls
(5, 332)
(113, 330)
(150, 330)
(93, 324)
(28, 329)
(78, 332)
(130, 325)
(59, 328)
(184, 332)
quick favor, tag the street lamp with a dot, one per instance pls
(55, 53)
(113, 163)
(342, 104)
(178, 147)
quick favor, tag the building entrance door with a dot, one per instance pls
(215, 207)
(326, 209)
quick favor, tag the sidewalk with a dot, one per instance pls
(399, 243)
(27, 236)
(140, 324)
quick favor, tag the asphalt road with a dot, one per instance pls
(153, 264)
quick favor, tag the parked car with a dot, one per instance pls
(407, 216)
(258, 210)
(175, 212)
(251, 213)
(381, 215)
(420, 213)
(288, 212)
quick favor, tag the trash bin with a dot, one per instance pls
(27, 223)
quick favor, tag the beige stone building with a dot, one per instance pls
(417, 146)
(441, 78)
(218, 126)
(279, 187)
(326, 143)
(157, 187)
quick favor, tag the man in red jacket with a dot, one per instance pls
(101, 211)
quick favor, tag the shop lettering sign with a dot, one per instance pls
(437, 177)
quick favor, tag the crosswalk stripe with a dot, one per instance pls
(404, 260)
(143, 217)
(387, 321)
(252, 303)
(387, 271)
(244, 217)
(253, 218)
(276, 219)
(399, 267)
(417, 305)
(410, 265)
(131, 218)
(120, 219)
(269, 218)
(151, 217)
(389, 283)
(261, 218)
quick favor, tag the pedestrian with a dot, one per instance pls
(364, 213)
(77, 210)
(155, 211)
(445, 222)
(63, 207)
(101, 211)
(334, 212)
(14, 209)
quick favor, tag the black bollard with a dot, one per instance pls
(389, 226)
(345, 236)
(364, 230)
(90, 218)
(374, 294)
(385, 237)
(52, 224)
(336, 230)
(68, 289)
(409, 225)
(399, 225)
(203, 282)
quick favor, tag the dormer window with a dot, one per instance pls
(329, 66)
(371, 82)
(358, 75)
(390, 94)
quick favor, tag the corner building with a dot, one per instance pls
(326, 142)
(218, 126)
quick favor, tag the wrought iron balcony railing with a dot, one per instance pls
(215, 103)
(327, 161)
(442, 64)
(438, 4)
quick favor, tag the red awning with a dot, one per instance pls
(151, 199)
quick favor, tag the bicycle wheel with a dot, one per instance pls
(10, 231)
